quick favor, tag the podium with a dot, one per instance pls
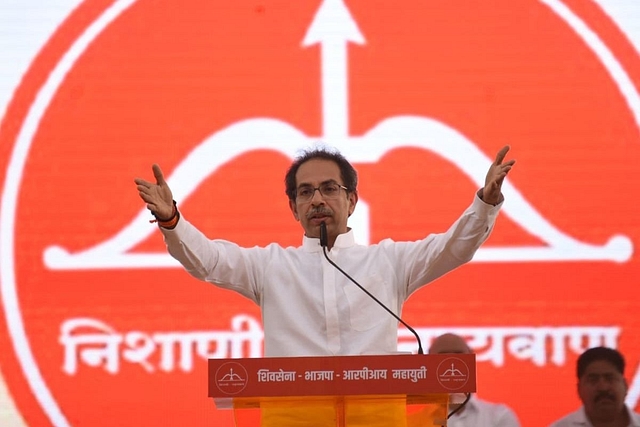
(399, 390)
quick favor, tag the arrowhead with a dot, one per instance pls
(333, 21)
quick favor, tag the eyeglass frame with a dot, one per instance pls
(318, 188)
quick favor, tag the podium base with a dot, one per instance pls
(343, 411)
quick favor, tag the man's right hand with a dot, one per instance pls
(157, 196)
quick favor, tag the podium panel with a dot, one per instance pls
(347, 411)
(345, 391)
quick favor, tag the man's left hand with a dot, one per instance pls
(491, 193)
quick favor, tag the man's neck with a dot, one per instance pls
(331, 240)
(459, 404)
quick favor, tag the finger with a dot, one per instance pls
(145, 186)
(142, 183)
(500, 180)
(497, 179)
(157, 173)
(506, 167)
(500, 156)
(146, 197)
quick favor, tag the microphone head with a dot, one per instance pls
(324, 241)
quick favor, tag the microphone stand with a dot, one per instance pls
(324, 244)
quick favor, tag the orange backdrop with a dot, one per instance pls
(98, 325)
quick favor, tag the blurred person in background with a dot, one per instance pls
(602, 389)
(476, 412)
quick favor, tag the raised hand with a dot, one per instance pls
(158, 196)
(498, 170)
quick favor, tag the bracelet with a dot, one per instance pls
(169, 222)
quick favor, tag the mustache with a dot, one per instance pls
(604, 395)
(319, 211)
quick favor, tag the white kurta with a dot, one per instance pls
(480, 413)
(579, 419)
(310, 308)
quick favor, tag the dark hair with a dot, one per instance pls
(347, 172)
(600, 353)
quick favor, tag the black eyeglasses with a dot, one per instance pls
(328, 190)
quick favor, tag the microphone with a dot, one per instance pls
(324, 242)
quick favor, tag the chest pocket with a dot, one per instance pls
(364, 312)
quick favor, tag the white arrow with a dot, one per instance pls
(333, 27)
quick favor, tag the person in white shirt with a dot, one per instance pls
(476, 412)
(308, 307)
(602, 389)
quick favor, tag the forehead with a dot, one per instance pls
(316, 171)
(600, 367)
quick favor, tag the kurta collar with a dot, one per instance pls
(344, 240)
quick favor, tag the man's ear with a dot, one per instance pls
(353, 201)
(294, 209)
